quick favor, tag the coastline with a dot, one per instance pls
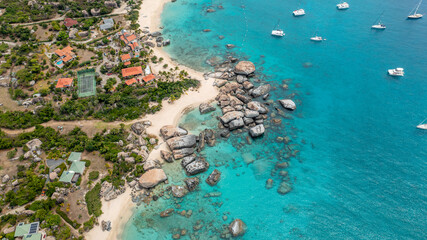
(120, 210)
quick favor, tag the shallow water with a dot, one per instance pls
(361, 168)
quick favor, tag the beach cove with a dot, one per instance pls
(352, 177)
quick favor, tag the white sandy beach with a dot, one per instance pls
(119, 210)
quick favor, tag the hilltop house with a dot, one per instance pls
(131, 81)
(108, 24)
(64, 83)
(148, 77)
(76, 169)
(65, 55)
(68, 22)
(29, 231)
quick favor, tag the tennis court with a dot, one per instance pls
(86, 83)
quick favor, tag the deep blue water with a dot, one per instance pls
(361, 168)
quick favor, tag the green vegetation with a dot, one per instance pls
(12, 153)
(64, 216)
(93, 175)
(28, 190)
(93, 201)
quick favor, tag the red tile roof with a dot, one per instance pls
(66, 53)
(148, 78)
(64, 82)
(125, 57)
(132, 71)
(127, 63)
(68, 22)
(131, 37)
(134, 45)
(130, 81)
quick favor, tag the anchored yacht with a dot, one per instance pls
(414, 14)
(343, 6)
(299, 12)
(397, 72)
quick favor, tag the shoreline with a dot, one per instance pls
(121, 209)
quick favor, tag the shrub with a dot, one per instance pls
(93, 201)
(93, 175)
(64, 216)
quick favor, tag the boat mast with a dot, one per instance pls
(419, 4)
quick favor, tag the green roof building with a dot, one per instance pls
(75, 156)
(77, 167)
(23, 230)
(66, 177)
(35, 236)
(72, 175)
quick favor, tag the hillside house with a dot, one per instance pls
(65, 55)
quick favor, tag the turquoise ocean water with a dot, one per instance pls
(360, 171)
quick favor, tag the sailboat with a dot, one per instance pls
(378, 24)
(277, 31)
(422, 125)
(343, 5)
(414, 14)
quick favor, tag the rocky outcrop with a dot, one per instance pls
(167, 212)
(257, 106)
(9, 230)
(167, 156)
(112, 4)
(151, 164)
(197, 166)
(95, 12)
(192, 183)
(152, 178)
(237, 123)
(213, 178)
(205, 108)
(170, 131)
(5, 179)
(138, 128)
(180, 153)
(187, 141)
(187, 160)
(288, 104)
(261, 90)
(34, 144)
(179, 191)
(106, 225)
(237, 228)
(257, 131)
(244, 68)
(230, 116)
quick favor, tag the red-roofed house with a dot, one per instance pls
(64, 82)
(148, 78)
(130, 81)
(65, 55)
(132, 71)
(68, 22)
(125, 57)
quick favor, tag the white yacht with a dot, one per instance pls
(414, 14)
(397, 72)
(299, 12)
(379, 26)
(277, 31)
(343, 6)
(422, 125)
(316, 39)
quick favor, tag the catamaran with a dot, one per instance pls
(422, 125)
(415, 14)
(378, 24)
(277, 31)
(343, 6)
(397, 72)
(299, 12)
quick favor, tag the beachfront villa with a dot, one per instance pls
(65, 55)
(132, 71)
(108, 24)
(131, 81)
(149, 77)
(64, 83)
(130, 40)
(29, 231)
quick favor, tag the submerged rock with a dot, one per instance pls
(269, 183)
(284, 188)
(237, 228)
(192, 183)
(197, 166)
(179, 191)
(205, 108)
(288, 104)
(244, 68)
(213, 178)
(167, 212)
